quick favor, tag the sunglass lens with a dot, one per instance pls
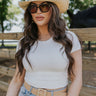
(33, 9)
(44, 7)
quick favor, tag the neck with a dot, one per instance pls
(43, 32)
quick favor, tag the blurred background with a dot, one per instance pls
(80, 18)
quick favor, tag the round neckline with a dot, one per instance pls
(45, 40)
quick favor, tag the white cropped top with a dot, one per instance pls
(50, 67)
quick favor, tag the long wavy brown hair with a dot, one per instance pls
(56, 28)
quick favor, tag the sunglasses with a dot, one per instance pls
(44, 7)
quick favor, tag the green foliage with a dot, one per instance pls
(80, 4)
(7, 14)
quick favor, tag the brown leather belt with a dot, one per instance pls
(45, 92)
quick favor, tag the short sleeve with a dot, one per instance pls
(18, 44)
(75, 41)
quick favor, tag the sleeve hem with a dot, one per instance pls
(75, 50)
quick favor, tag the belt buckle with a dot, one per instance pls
(41, 89)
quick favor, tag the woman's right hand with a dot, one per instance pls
(16, 83)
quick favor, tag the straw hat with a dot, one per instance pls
(62, 4)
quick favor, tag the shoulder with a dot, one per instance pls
(18, 44)
(20, 40)
(75, 40)
(70, 32)
(71, 35)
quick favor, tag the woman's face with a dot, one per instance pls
(46, 15)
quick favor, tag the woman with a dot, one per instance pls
(47, 54)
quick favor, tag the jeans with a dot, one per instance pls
(24, 92)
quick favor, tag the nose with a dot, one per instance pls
(38, 10)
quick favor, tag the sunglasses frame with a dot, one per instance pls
(30, 5)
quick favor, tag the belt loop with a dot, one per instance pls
(30, 89)
(52, 93)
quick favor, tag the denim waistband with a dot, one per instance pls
(49, 90)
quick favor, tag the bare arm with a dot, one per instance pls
(15, 84)
(76, 84)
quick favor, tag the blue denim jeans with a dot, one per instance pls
(24, 92)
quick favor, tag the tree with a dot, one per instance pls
(7, 14)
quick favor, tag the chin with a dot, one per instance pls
(40, 23)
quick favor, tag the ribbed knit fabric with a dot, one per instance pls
(50, 67)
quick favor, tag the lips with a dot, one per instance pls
(39, 18)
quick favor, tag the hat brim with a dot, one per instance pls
(62, 4)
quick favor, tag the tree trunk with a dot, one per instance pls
(2, 44)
